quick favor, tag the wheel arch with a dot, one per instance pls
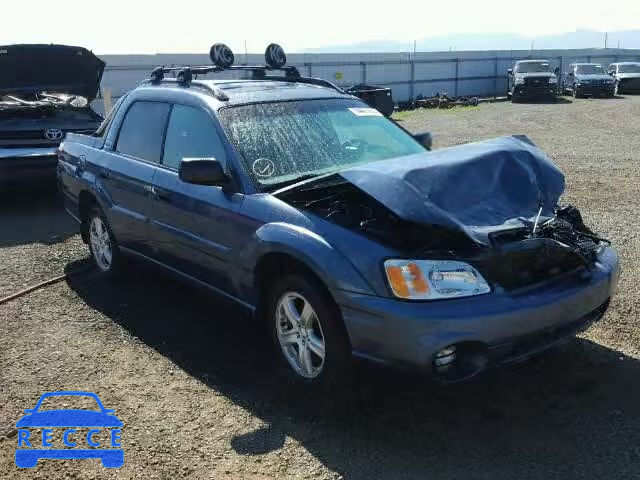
(86, 200)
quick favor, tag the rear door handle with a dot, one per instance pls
(150, 190)
(164, 196)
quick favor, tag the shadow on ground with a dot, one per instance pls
(33, 217)
(573, 413)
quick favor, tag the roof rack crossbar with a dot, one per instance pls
(185, 74)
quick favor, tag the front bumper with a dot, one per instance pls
(595, 90)
(24, 166)
(506, 327)
(536, 91)
(629, 85)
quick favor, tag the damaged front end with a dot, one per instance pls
(493, 205)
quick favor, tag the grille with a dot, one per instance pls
(536, 82)
(22, 134)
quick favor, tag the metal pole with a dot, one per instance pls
(413, 79)
(364, 72)
(455, 88)
(495, 78)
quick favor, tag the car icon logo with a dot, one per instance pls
(103, 429)
(53, 133)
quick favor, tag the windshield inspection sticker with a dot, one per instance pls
(263, 167)
(102, 439)
(365, 112)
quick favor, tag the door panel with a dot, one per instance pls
(127, 173)
(128, 183)
(197, 228)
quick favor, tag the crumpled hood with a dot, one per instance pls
(52, 68)
(471, 187)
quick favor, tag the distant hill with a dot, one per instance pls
(497, 41)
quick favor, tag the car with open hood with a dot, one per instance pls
(45, 92)
(626, 76)
(588, 79)
(335, 226)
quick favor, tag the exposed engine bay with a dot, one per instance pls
(40, 104)
(521, 252)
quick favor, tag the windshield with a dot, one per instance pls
(533, 67)
(289, 141)
(634, 68)
(590, 70)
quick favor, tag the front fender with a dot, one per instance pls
(333, 268)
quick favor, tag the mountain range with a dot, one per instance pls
(493, 41)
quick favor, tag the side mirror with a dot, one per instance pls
(202, 171)
(424, 138)
(510, 71)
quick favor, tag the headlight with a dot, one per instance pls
(519, 81)
(433, 279)
(553, 80)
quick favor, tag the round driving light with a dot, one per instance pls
(221, 55)
(274, 56)
(444, 358)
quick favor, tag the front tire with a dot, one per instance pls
(308, 331)
(102, 243)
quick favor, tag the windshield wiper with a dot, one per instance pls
(285, 183)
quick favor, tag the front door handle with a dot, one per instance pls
(150, 190)
(104, 173)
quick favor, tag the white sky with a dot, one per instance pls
(191, 26)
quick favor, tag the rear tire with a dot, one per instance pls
(308, 331)
(575, 93)
(102, 243)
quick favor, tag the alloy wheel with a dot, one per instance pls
(300, 335)
(100, 244)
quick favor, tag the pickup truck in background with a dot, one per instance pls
(45, 92)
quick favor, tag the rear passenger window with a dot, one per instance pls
(142, 130)
(191, 134)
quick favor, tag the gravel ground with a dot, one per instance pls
(194, 384)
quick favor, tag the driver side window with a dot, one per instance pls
(191, 134)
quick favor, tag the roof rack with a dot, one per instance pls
(223, 58)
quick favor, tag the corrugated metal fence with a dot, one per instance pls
(409, 75)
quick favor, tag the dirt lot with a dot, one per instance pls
(194, 384)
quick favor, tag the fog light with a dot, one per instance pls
(443, 359)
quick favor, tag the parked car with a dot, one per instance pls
(626, 76)
(582, 79)
(531, 79)
(336, 227)
(45, 92)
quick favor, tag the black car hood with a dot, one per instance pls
(51, 68)
(474, 187)
(593, 76)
